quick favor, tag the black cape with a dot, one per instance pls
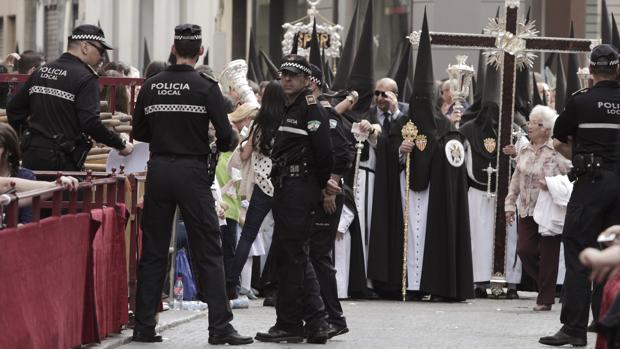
(447, 268)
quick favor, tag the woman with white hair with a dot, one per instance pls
(539, 253)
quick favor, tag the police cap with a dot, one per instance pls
(604, 55)
(317, 75)
(190, 32)
(89, 32)
(296, 64)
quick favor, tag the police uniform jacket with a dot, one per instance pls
(62, 99)
(342, 147)
(174, 109)
(304, 138)
(592, 118)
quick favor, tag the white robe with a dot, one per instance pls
(364, 198)
(342, 253)
(418, 212)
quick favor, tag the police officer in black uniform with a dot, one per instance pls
(62, 100)
(587, 132)
(327, 216)
(172, 113)
(302, 162)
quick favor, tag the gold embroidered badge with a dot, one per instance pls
(489, 144)
(420, 142)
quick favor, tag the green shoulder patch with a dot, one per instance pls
(333, 123)
(310, 100)
(313, 125)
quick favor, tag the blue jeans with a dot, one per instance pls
(260, 205)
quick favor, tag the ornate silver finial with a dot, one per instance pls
(329, 33)
(312, 11)
(512, 3)
(507, 42)
(414, 38)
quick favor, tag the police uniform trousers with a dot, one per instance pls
(171, 181)
(594, 205)
(322, 242)
(295, 202)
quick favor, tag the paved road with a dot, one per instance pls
(390, 324)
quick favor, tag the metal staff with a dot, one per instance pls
(360, 138)
(410, 132)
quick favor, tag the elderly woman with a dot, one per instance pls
(539, 254)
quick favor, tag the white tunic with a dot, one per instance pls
(342, 253)
(418, 212)
(364, 198)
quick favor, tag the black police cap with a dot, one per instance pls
(90, 32)
(603, 55)
(190, 32)
(317, 75)
(296, 64)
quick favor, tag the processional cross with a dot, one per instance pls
(509, 41)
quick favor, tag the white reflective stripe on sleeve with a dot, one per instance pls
(292, 130)
(594, 125)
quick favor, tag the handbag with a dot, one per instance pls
(185, 271)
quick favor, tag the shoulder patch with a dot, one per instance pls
(333, 123)
(583, 90)
(326, 104)
(313, 125)
(210, 78)
(310, 100)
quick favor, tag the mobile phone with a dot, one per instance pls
(606, 238)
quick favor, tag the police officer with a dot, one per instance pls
(587, 132)
(172, 113)
(302, 163)
(62, 100)
(327, 216)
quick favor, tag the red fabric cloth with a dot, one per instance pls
(110, 270)
(44, 268)
(610, 291)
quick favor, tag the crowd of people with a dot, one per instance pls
(277, 177)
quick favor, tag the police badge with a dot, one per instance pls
(313, 125)
(420, 142)
(455, 153)
(489, 144)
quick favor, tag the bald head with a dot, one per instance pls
(386, 84)
(381, 98)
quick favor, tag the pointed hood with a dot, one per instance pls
(147, 56)
(402, 72)
(560, 86)
(205, 59)
(536, 100)
(615, 37)
(482, 69)
(523, 92)
(396, 58)
(492, 85)
(255, 72)
(315, 49)
(295, 43)
(328, 75)
(271, 67)
(527, 16)
(348, 54)
(362, 77)
(572, 79)
(605, 24)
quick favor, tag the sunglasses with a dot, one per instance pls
(100, 49)
(381, 93)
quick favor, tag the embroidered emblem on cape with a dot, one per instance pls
(489, 144)
(420, 142)
(310, 100)
(313, 125)
(333, 123)
(455, 153)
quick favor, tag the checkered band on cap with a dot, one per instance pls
(188, 37)
(87, 37)
(605, 63)
(296, 65)
(315, 80)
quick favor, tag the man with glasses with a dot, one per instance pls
(62, 100)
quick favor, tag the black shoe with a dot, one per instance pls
(146, 337)
(231, 291)
(232, 338)
(270, 301)
(318, 336)
(334, 330)
(512, 294)
(480, 292)
(277, 335)
(593, 327)
(371, 294)
(561, 338)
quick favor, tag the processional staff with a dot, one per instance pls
(410, 132)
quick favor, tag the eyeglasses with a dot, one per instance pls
(100, 49)
(380, 93)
